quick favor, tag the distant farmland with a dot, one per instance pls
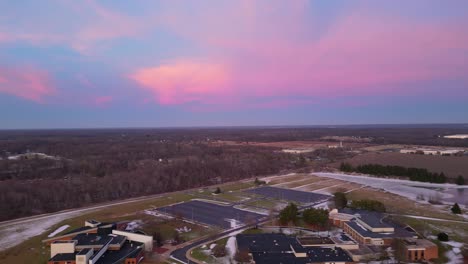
(449, 165)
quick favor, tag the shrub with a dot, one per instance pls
(443, 237)
(456, 209)
(340, 200)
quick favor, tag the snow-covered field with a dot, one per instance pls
(12, 235)
(410, 189)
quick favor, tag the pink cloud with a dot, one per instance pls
(184, 81)
(102, 100)
(275, 51)
(28, 83)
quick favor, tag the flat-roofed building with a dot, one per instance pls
(419, 250)
(62, 246)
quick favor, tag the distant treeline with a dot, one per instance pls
(413, 174)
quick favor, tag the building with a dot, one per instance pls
(432, 151)
(100, 246)
(457, 136)
(282, 249)
(419, 249)
(369, 228)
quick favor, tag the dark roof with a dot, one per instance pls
(128, 250)
(315, 240)
(399, 232)
(80, 229)
(277, 258)
(314, 255)
(372, 219)
(265, 242)
(375, 220)
(63, 242)
(117, 239)
(84, 251)
(63, 257)
(91, 239)
(336, 254)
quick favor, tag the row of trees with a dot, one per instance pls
(341, 202)
(369, 205)
(311, 216)
(413, 174)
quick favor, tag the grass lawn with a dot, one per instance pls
(201, 256)
(253, 231)
(266, 203)
(198, 253)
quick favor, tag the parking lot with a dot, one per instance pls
(287, 194)
(211, 214)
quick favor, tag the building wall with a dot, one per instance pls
(62, 248)
(355, 235)
(147, 240)
(136, 259)
(84, 259)
(422, 254)
(61, 262)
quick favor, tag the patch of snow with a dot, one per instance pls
(184, 229)
(157, 214)
(454, 255)
(231, 246)
(212, 246)
(234, 223)
(58, 230)
(19, 231)
(454, 244)
(133, 225)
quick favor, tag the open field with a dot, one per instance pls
(452, 166)
(304, 180)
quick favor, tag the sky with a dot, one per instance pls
(166, 63)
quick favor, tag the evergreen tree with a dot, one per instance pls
(443, 237)
(340, 200)
(456, 209)
(288, 214)
(460, 180)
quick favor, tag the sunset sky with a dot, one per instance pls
(157, 63)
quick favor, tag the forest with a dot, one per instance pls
(88, 169)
